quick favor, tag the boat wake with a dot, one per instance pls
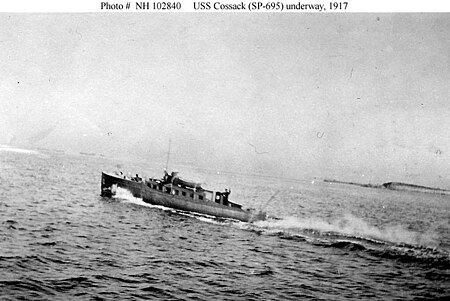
(349, 233)
(354, 234)
(352, 226)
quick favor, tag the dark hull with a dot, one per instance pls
(156, 197)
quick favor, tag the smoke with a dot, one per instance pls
(350, 225)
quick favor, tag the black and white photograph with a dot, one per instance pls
(224, 155)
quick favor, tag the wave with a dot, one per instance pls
(348, 233)
(353, 226)
(26, 285)
(355, 235)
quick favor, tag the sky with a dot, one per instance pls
(357, 97)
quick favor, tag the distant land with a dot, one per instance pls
(88, 154)
(60, 151)
(395, 186)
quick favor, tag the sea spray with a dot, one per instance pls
(123, 194)
(350, 225)
(347, 232)
(126, 195)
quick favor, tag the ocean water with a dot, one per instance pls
(59, 240)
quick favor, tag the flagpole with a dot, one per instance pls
(168, 154)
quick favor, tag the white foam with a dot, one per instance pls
(125, 195)
(352, 226)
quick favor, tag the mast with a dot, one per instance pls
(168, 155)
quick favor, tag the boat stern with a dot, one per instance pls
(257, 216)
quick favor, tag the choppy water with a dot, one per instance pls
(60, 240)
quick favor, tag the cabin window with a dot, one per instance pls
(183, 193)
(209, 196)
(176, 192)
(192, 195)
(200, 197)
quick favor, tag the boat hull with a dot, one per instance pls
(157, 197)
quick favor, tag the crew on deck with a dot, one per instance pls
(222, 197)
(168, 177)
(137, 178)
(225, 196)
(120, 174)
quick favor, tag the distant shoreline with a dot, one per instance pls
(395, 186)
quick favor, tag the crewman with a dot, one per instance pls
(225, 196)
(226, 193)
